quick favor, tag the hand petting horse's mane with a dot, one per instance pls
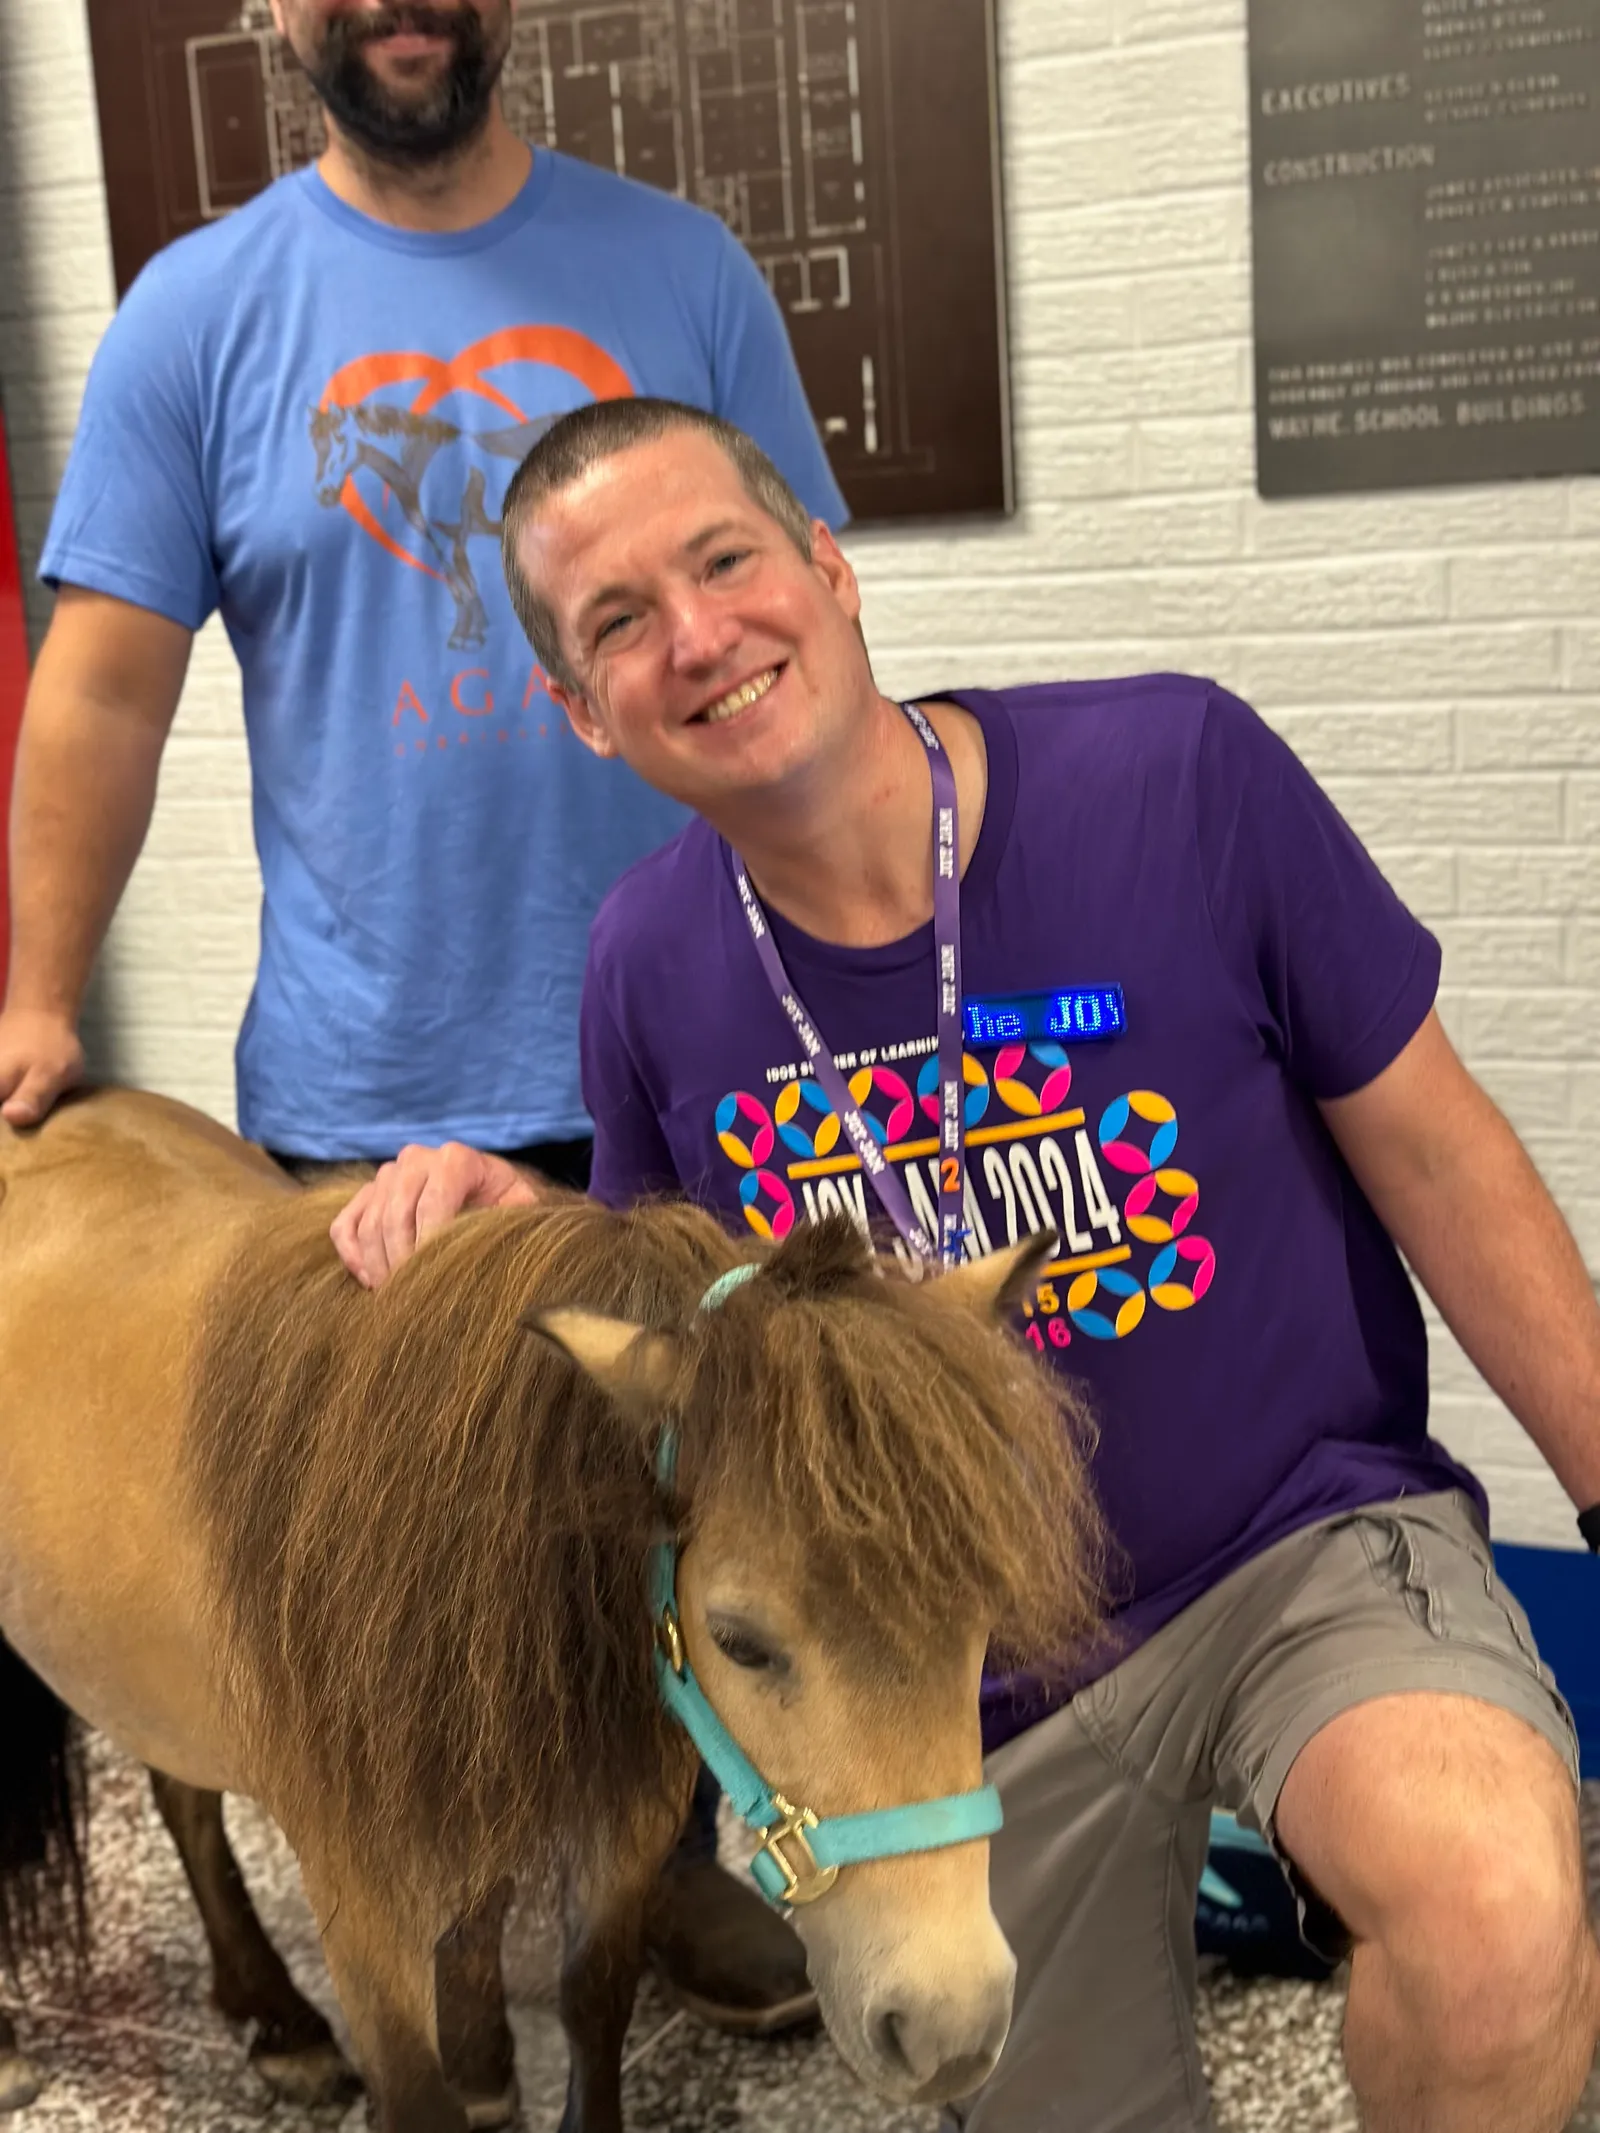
(464, 1668)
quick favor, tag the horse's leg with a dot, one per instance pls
(382, 1968)
(475, 2040)
(19, 2081)
(293, 2048)
(601, 1963)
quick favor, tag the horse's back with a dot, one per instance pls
(106, 1148)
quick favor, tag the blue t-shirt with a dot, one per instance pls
(1242, 1323)
(308, 419)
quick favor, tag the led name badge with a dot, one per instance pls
(1077, 1014)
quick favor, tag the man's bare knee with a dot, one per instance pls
(1490, 1955)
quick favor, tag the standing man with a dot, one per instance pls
(1200, 1042)
(305, 417)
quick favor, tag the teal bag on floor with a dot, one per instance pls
(1246, 1912)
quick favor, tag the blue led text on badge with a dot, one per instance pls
(1079, 1014)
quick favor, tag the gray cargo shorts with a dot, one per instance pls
(1108, 1802)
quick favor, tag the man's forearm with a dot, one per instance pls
(1488, 1243)
(85, 790)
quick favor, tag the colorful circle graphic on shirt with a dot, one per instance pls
(1120, 1300)
(893, 1112)
(1138, 1132)
(805, 1120)
(1032, 1079)
(1192, 1257)
(1161, 1206)
(972, 1074)
(768, 1205)
(740, 1111)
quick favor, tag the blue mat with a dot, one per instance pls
(1560, 1588)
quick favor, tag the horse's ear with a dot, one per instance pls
(1004, 1280)
(622, 1358)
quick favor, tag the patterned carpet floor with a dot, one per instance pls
(145, 2053)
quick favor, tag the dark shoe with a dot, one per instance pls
(724, 1954)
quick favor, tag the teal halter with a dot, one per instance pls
(800, 1855)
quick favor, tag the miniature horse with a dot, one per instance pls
(380, 1562)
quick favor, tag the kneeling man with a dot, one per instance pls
(1101, 955)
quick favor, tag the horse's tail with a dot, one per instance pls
(44, 1822)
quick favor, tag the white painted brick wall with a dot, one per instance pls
(1434, 657)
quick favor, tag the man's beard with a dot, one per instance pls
(453, 111)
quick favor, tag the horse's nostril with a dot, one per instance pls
(888, 2034)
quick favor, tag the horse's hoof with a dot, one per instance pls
(314, 2078)
(486, 2112)
(20, 2083)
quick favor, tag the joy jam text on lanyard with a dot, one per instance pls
(947, 959)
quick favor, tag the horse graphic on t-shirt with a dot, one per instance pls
(426, 497)
(400, 448)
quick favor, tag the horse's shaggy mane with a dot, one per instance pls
(431, 1529)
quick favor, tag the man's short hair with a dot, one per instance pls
(583, 440)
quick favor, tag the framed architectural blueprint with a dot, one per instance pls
(852, 145)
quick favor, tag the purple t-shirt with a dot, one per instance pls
(1243, 1325)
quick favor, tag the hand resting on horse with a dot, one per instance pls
(40, 1058)
(416, 1194)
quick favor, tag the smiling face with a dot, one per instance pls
(703, 647)
(409, 81)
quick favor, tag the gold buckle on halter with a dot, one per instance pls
(669, 1638)
(809, 1881)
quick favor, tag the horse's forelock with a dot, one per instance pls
(913, 1452)
(820, 1259)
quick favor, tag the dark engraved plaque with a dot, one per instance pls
(1426, 177)
(850, 144)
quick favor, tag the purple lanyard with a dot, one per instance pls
(947, 955)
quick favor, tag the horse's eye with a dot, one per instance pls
(741, 1648)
